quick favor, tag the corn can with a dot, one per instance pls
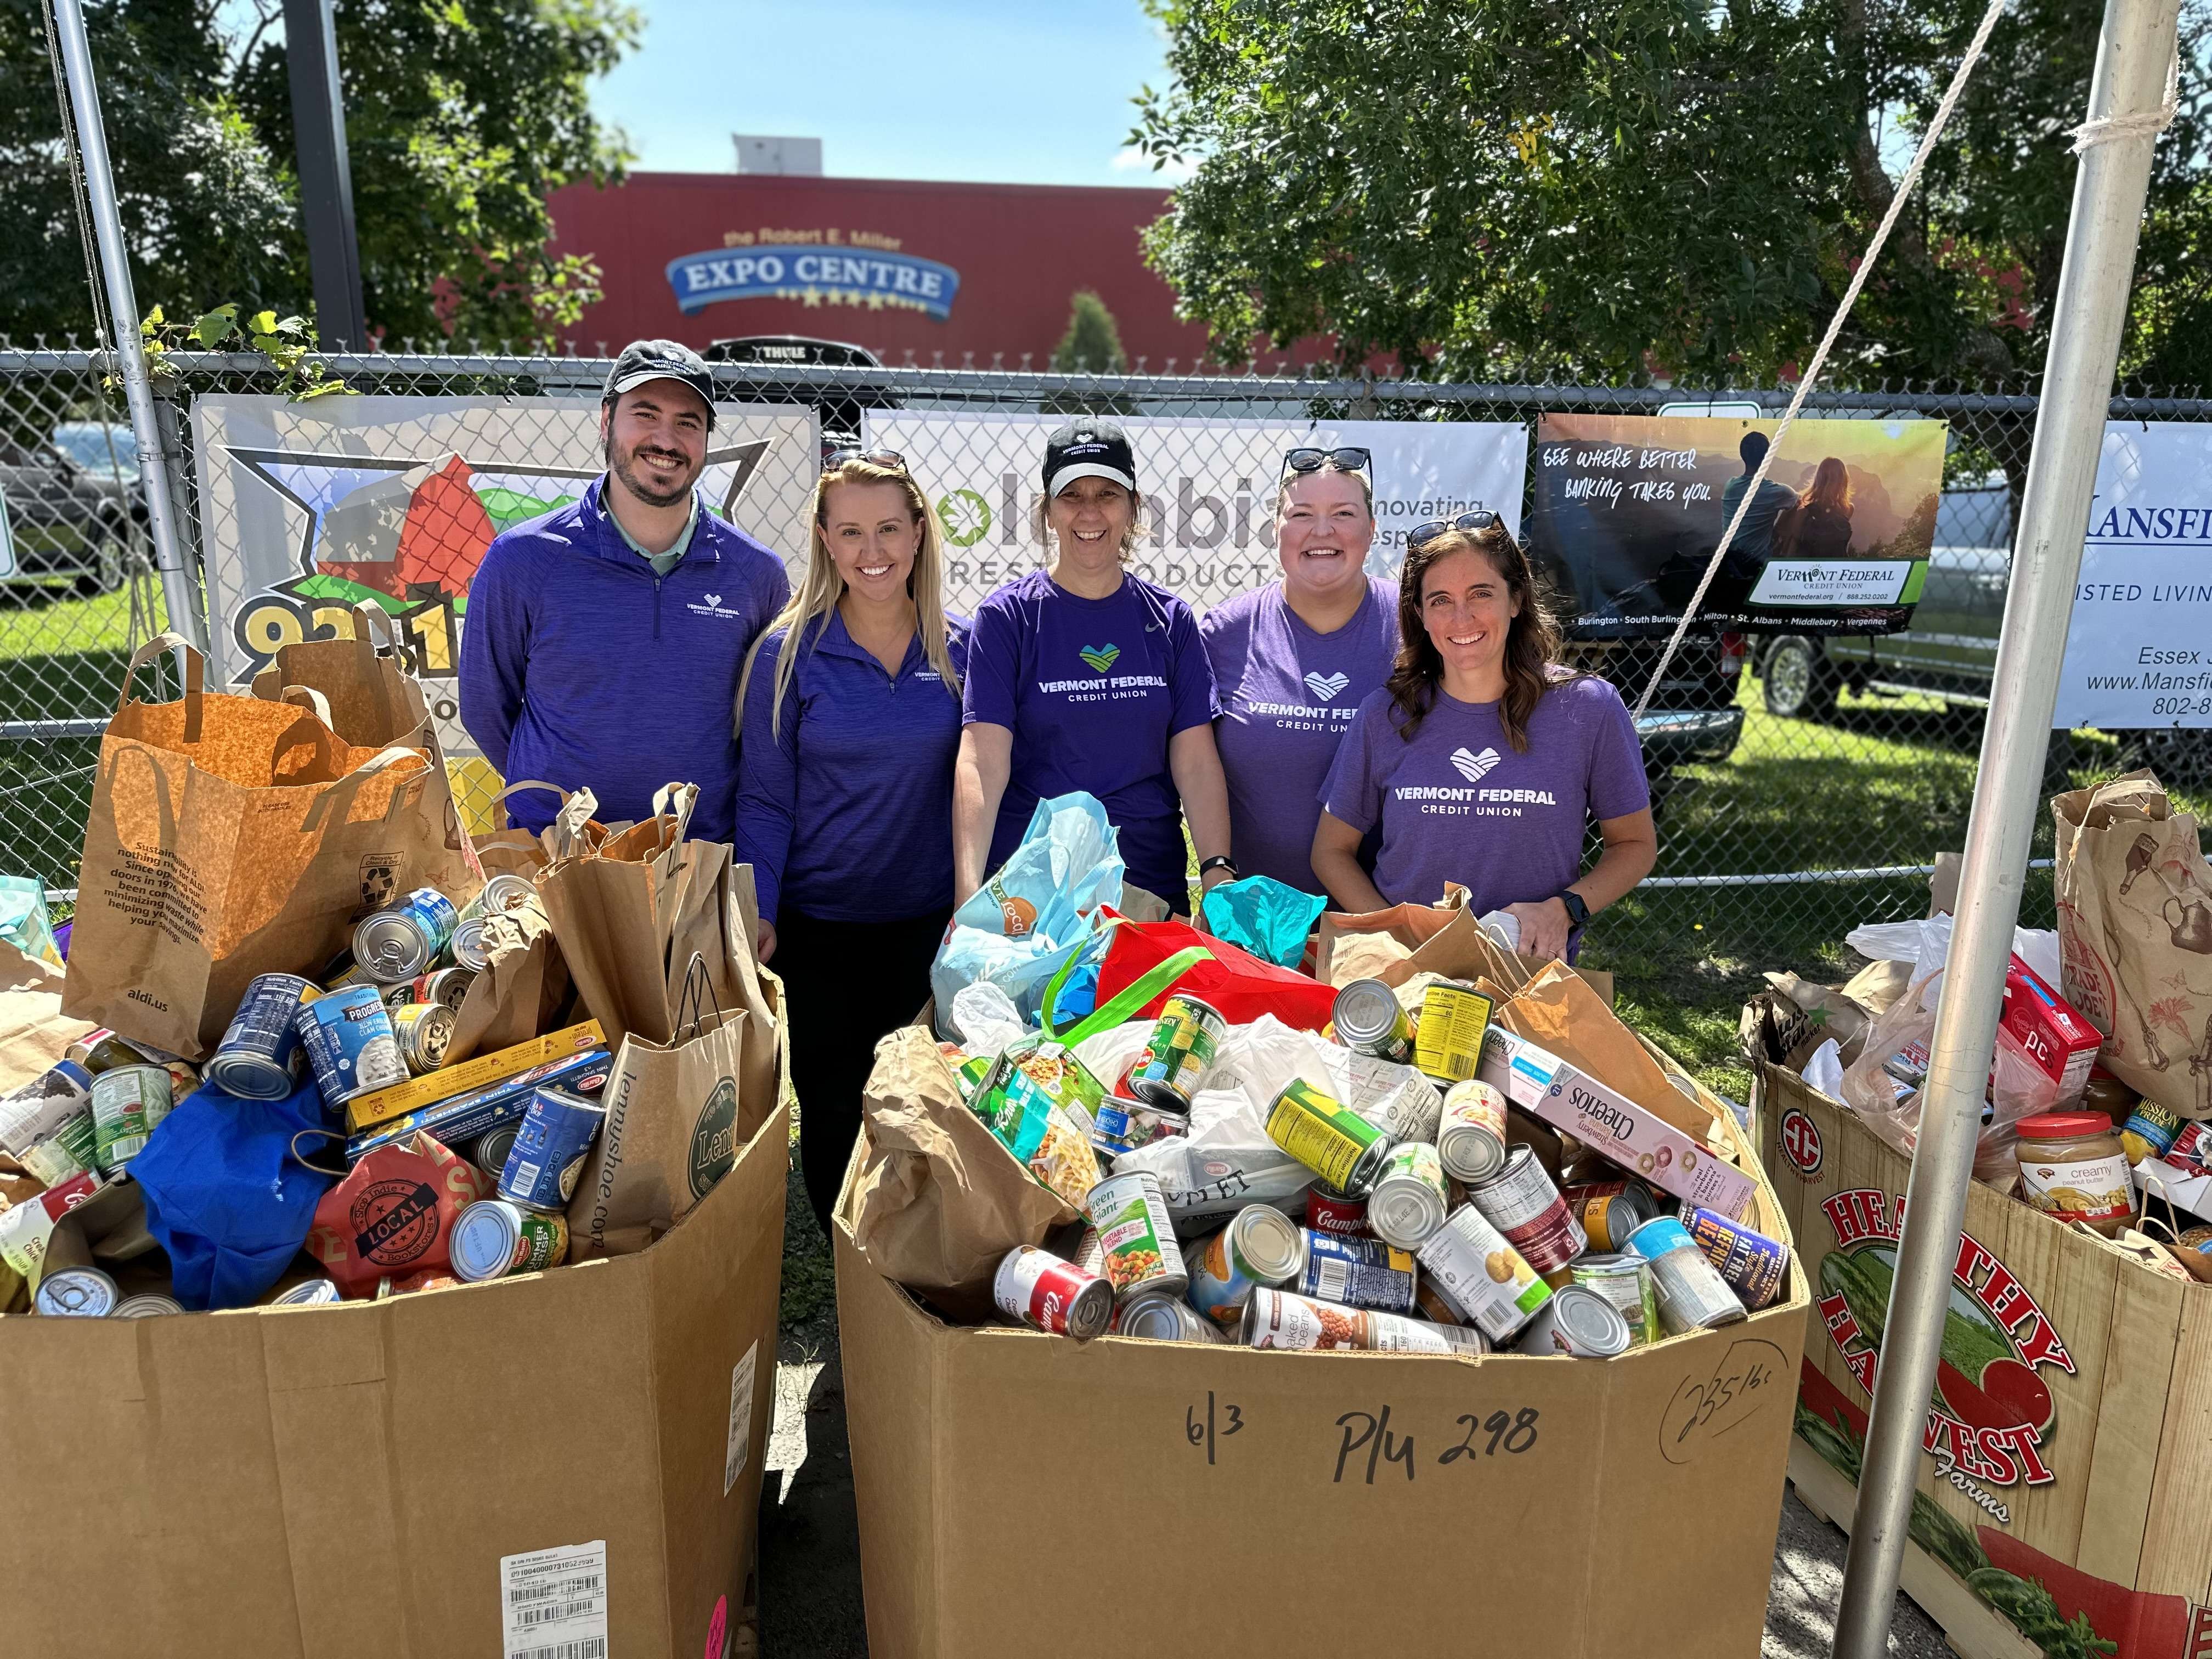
(1454, 1019)
(1179, 1052)
(1343, 1148)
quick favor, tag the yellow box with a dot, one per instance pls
(365, 1111)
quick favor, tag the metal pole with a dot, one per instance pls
(179, 590)
(311, 51)
(2134, 53)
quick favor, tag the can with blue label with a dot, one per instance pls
(258, 1058)
(1358, 1272)
(1693, 1295)
(549, 1149)
(404, 939)
(347, 1039)
(1752, 1262)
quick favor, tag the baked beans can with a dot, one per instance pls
(1138, 1235)
(1753, 1263)
(1625, 1281)
(147, 1305)
(1522, 1203)
(1471, 1135)
(1480, 1276)
(1337, 1214)
(556, 1137)
(1609, 1210)
(1693, 1295)
(1343, 1148)
(76, 1292)
(1409, 1200)
(347, 1039)
(128, 1103)
(493, 1238)
(1052, 1296)
(309, 1293)
(1359, 1273)
(1577, 1320)
(71, 1151)
(424, 1031)
(1455, 1018)
(1179, 1052)
(1369, 1019)
(259, 1058)
(1260, 1246)
(404, 939)
(1282, 1319)
(41, 1106)
(1156, 1316)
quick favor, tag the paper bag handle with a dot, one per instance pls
(307, 697)
(301, 1160)
(372, 619)
(697, 994)
(195, 677)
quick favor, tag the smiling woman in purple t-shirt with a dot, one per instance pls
(1481, 761)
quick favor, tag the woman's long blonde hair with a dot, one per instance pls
(808, 612)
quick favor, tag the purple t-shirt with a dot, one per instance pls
(1093, 689)
(1456, 804)
(1288, 695)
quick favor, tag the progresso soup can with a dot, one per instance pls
(259, 1058)
(556, 1137)
(404, 940)
(1179, 1052)
(347, 1039)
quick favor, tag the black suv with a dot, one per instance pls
(1693, 717)
(74, 504)
(841, 408)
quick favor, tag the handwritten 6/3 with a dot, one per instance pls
(1500, 1433)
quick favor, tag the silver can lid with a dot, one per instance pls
(146, 1306)
(1155, 1319)
(1366, 1010)
(1594, 1327)
(76, 1292)
(483, 1240)
(390, 945)
(505, 890)
(309, 1293)
(252, 1077)
(1272, 1244)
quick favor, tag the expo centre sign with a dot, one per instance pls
(875, 278)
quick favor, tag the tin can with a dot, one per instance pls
(347, 1037)
(1395, 1333)
(1328, 1136)
(404, 940)
(1625, 1281)
(29, 1231)
(98, 1050)
(1752, 1262)
(1178, 1055)
(1137, 1235)
(1455, 1018)
(1480, 1277)
(1156, 1316)
(489, 1151)
(76, 1292)
(127, 1103)
(493, 1238)
(1369, 1019)
(500, 893)
(1429, 1305)
(1282, 1319)
(447, 986)
(549, 1149)
(1358, 1272)
(41, 1106)
(1522, 1203)
(2150, 1130)
(423, 1031)
(1578, 1320)
(1046, 1294)
(150, 1305)
(1609, 1210)
(1470, 1135)
(1693, 1295)
(1409, 1200)
(70, 1151)
(1122, 1123)
(1337, 1214)
(258, 1058)
(309, 1293)
(1260, 1246)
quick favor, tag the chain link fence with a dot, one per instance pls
(1804, 784)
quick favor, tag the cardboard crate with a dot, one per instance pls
(2101, 1493)
(344, 1482)
(1020, 1493)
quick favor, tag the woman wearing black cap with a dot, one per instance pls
(1082, 675)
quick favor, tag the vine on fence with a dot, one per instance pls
(287, 343)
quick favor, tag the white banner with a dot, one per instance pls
(1209, 486)
(2139, 652)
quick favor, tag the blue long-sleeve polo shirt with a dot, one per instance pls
(581, 666)
(846, 812)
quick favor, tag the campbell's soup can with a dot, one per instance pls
(1052, 1296)
(1522, 1203)
(1340, 1215)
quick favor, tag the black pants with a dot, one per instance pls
(847, 983)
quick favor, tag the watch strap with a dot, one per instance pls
(1578, 913)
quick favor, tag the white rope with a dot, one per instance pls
(2143, 124)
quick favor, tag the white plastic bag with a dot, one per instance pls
(1825, 1070)
(1927, 946)
(1225, 1163)
(1109, 1053)
(984, 1018)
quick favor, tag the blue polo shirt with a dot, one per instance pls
(581, 665)
(846, 812)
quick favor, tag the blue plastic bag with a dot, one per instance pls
(224, 1194)
(1265, 916)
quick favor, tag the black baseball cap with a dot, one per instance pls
(1088, 449)
(660, 359)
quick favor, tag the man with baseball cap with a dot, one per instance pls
(603, 640)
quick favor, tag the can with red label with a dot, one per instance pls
(1052, 1296)
(1337, 1214)
(1521, 1202)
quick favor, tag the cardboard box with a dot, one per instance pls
(1022, 1494)
(353, 1482)
(2049, 1030)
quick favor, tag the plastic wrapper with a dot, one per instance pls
(1265, 916)
(1046, 1136)
(984, 1019)
(1225, 1163)
(1927, 946)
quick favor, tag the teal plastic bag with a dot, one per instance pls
(1265, 916)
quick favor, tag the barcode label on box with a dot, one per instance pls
(741, 1444)
(553, 1603)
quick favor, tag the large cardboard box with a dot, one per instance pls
(1023, 1494)
(2068, 1462)
(352, 1482)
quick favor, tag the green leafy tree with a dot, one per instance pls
(1092, 344)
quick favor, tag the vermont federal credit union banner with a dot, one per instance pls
(1209, 487)
(1628, 509)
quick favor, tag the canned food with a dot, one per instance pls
(1693, 1295)
(41, 1106)
(1121, 1124)
(1260, 1246)
(71, 1151)
(1455, 1018)
(404, 940)
(127, 1104)
(494, 1237)
(1480, 1277)
(1578, 1320)
(1179, 1052)
(258, 1058)
(1328, 1137)
(1281, 1319)
(1090, 1254)
(1609, 1210)
(32, 1231)
(1369, 1019)
(1156, 1316)
(447, 986)
(423, 1031)
(1359, 1273)
(309, 1293)
(1137, 1235)
(347, 1039)
(1052, 1296)
(76, 1292)
(1395, 1333)
(1337, 1214)
(1429, 1305)
(150, 1305)
(1751, 1262)
(489, 1150)
(499, 894)
(1625, 1281)
(2150, 1130)
(1522, 1203)
(1409, 1200)
(1470, 1135)
(554, 1137)
(98, 1050)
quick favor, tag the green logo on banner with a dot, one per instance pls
(1101, 657)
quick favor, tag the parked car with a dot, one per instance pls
(841, 408)
(72, 504)
(1693, 717)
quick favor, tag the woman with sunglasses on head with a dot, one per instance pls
(1082, 675)
(849, 717)
(1482, 760)
(1293, 660)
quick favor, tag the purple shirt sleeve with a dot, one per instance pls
(495, 649)
(994, 669)
(1190, 681)
(1617, 784)
(767, 781)
(1352, 794)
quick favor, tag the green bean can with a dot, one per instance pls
(1328, 1136)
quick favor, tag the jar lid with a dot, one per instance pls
(2064, 1126)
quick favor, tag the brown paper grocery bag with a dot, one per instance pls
(1560, 1011)
(1443, 938)
(33, 1030)
(521, 993)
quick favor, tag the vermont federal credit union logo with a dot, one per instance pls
(1100, 657)
(872, 278)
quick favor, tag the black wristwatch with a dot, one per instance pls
(1577, 911)
(1218, 862)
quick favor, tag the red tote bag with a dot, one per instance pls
(1237, 982)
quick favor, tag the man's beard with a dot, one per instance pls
(641, 484)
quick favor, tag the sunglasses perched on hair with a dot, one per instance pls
(1421, 534)
(889, 458)
(1347, 459)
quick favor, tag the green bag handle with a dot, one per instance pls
(1124, 1003)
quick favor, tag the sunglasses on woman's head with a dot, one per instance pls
(1347, 459)
(1421, 534)
(889, 458)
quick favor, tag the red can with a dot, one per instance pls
(1337, 1214)
(1521, 1202)
(1052, 1296)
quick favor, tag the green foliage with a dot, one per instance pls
(1092, 344)
(287, 343)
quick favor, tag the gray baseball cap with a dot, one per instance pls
(660, 359)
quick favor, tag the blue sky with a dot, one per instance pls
(990, 89)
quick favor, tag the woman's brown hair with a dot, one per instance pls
(1531, 643)
(1831, 486)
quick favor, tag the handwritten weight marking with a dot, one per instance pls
(1202, 1433)
(1510, 1435)
(1739, 1387)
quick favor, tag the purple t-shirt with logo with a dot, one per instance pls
(1093, 689)
(1456, 804)
(1288, 695)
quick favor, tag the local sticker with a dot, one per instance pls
(1801, 1142)
(713, 1140)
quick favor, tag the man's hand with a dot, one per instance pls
(1544, 929)
(765, 941)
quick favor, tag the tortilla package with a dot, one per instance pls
(392, 1216)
